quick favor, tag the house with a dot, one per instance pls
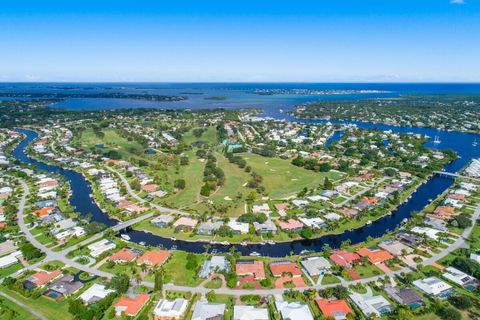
(44, 211)
(63, 287)
(249, 313)
(7, 247)
(336, 309)
(215, 264)
(149, 188)
(332, 216)
(203, 310)
(434, 286)
(410, 239)
(154, 257)
(475, 257)
(314, 223)
(290, 225)
(266, 227)
(99, 247)
(300, 203)
(130, 306)
(344, 258)
(94, 293)
(395, 247)
(280, 268)
(293, 310)
(375, 255)
(250, 267)
(460, 278)
(372, 305)
(124, 255)
(170, 310)
(281, 208)
(162, 220)
(10, 259)
(41, 278)
(209, 227)
(405, 296)
(261, 208)
(185, 223)
(429, 232)
(238, 227)
(348, 212)
(316, 266)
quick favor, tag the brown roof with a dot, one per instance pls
(250, 267)
(154, 258)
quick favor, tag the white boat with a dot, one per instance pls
(173, 239)
(125, 237)
(474, 143)
(142, 243)
(437, 140)
(225, 243)
(270, 242)
(405, 220)
(255, 254)
(244, 243)
(369, 222)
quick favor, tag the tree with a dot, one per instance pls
(461, 302)
(120, 283)
(327, 184)
(30, 252)
(180, 184)
(159, 280)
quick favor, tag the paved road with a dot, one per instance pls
(24, 306)
(61, 256)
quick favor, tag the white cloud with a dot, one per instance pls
(457, 1)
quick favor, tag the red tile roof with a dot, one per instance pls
(131, 306)
(278, 269)
(124, 255)
(252, 267)
(42, 277)
(154, 258)
(291, 224)
(44, 211)
(330, 308)
(344, 258)
(375, 256)
(149, 187)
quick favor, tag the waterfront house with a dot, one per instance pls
(435, 287)
(344, 258)
(395, 247)
(281, 268)
(162, 220)
(267, 226)
(208, 228)
(410, 239)
(215, 264)
(99, 247)
(293, 310)
(316, 266)
(375, 255)
(125, 255)
(203, 310)
(249, 313)
(154, 257)
(250, 268)
(405, 296)
(130, 306)
(238, 227)
(290, 225)
(185, 223)
(336, 309)
(170, 309)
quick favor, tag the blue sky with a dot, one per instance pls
(230, 40)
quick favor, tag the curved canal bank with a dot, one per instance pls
(460, 142)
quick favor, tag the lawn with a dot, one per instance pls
(49, 308)
(9, 270)
(367, 270)
(330, 279)
(176, 270)
(215, 283)
(20, 313)
(209, 136)
(282, 179)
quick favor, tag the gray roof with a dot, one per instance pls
(315, 265)
(205, 310)
(404, 295)
(66, 285)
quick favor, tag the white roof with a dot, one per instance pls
(293, 310)
(241, 227)
(457, 276)
(432, 285)
(370, 305)
(315, 265)
(8, 261)
(249, 313)
(166, 308)
(475, 257)
(312, 222)
(100, 247)
(97, 291)
(204, 310)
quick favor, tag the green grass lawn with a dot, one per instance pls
(282, 179)
(367, 270)
(215, 283)
(48, 308)
(20, 314)
(209, 136)
(330, 279)
(177, 272)
(9, 270)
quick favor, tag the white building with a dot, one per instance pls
(249, 313)
(293, 310)
(433, 286)
(95, 293)
(99, 247)
(458, 277)
(204, 310)
(170, 309)
(316, 266)
(238, 227)
(369, 305)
